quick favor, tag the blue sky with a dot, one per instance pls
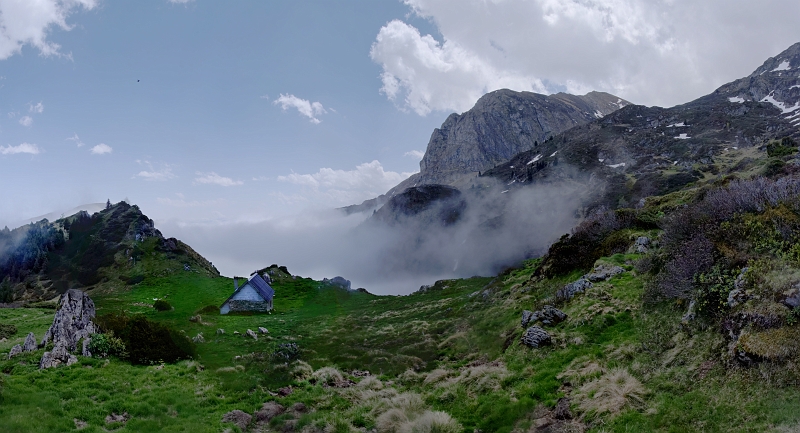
(257, 116)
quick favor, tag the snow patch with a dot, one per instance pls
(554, 154)
(601, 160)
(513, 181)
(676, 125)
(737, 99)
(621, 164)
(598, 114)
(682, 137)
(780, 105)
(784, 66)
(536, 158)
(504, 192)
(796, 85)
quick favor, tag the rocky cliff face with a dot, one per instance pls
(502, 124)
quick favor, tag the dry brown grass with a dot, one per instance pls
(610, 393)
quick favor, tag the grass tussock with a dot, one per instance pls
(612, 392)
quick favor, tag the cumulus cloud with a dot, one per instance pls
(101, 149)
(303, 106)
(416, 154)
(37, 108)
(26, 121)
(215, 179)
(656, 53)
(76, 140)
(344, 187)
(30, 22)
(153, 173)
(22, 148)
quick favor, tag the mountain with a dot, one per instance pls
(502, 124)
(52, 216)
(108, 250)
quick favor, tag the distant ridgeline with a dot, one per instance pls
(110, 249)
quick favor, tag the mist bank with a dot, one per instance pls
(495, 228)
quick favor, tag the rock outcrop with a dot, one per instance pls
(570, 290)
(548, 315)
(536, 337)
(72, 324)
(30, 343)
(238, 418)
(16, 350)
(604, 272)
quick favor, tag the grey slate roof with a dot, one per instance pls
(257, 282)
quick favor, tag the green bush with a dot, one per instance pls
(147, 342)
(162, 305)
(105, 345)
(7, 331)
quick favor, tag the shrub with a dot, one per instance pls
(105, 345)
(162, 305)
(147, 342)
(7, 331)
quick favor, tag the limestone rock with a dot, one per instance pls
(199, 338)
(604, 272)
(115, 417)
(526, 317)
(791, 298)
(16, 350)
(268, 411)
(59, 355)
(73, 320)
(570, 290)
(738, 295)
(549, 315)
(30, 343)
(642, 244)
(85, 349)
(263, 330)
(536, 337)
(238, 418)
(220, 331)
(252, 334)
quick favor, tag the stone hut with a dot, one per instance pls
(254, 295)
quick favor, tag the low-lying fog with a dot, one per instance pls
(497, 229)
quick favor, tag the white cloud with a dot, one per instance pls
(29, 23)
(37, 108)
(215, 179)
(181, 202)
(416, 154)
(26, 121)
(303, 106)
(101, 149)
(76, 139)
(662, 52)
(22, 148)
(163, 172)
(180, 1)
(343, 187)
(431, 76)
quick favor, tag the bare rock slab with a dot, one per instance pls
(536, 337)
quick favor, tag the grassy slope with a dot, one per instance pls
(440, 335)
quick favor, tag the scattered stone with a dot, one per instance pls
(526, 317)
(562, 411)
(80, 424)
(238, 418)
(196, 319)
(738, 295)
(360, 373)
(199, 338)
(791, 298)
(268, 411)
(236, 333)
(121, 418)
(285, 391)
(16, 350)
(252, 334)
(299, 407)
(536, 337)
(30, 343)
(642, 244)
(548, 315)
(220, 331)
(59, 355)
(604, 272)
(263, 330)
(570, 290)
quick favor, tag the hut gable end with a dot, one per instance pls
(255, 295)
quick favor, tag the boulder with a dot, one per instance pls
(252, 334)
(263, 330)
(238, 418)
(220, 331)
(791, 298)
(30, 343)
(570, 290)
(199, 338)
(59, 355)
(73, 320)
(548, 315)
(604, 272)
(268, 411)
(738, 295)
(16, 350)
(526, 317)
(642, 244)
(536, 337)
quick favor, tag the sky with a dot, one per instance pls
(209, 114)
